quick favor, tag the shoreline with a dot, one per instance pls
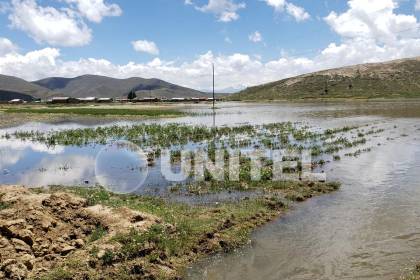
(132, 235)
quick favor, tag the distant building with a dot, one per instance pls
(149, 99)
(16, 101)
(63, 100)
(177, 99)
(87, 99)
(104, 100)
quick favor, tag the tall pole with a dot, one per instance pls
(214, 111)
(213, 86)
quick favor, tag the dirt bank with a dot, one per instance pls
(92, 234)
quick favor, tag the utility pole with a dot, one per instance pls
(213, 86)
(214, 111)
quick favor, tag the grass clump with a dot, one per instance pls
(181, 234)
(3, 205)
(97, 234)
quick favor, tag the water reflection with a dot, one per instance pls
(368, 230)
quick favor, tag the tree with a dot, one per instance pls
(132, 95)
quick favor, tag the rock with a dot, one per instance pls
(46, 223)
(101, 254)
(67, 249)
(26, 235)
(20, 245)
(28, 261)
(7, 262)
(78, 243)
(16, 271)
(4, 242)
(60, 240)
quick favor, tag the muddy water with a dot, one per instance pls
(370, 229)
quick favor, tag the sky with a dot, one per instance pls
(250, 41)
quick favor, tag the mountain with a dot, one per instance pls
(100, 86)
(398, 78)
(12, 87)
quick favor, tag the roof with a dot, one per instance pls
(87, 98)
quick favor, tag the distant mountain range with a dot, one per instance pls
(398, 78)
(90, 85)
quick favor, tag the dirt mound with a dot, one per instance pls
(37, 231)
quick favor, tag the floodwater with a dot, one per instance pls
(369, 229)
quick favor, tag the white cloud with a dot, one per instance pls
(49, 25)
(145, 46)
(96, 10)
(374, 19)
(6, 46)
(418, 5)
(225, 10)
(255, 37)
(297, 12)
(381, 34)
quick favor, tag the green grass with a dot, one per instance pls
(181, 237)
(185, 233)
(97, 234)
(98, 111)
(3, 205)
(402, 83)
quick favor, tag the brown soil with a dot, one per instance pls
(38, 231)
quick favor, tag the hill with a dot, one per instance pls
(101, 86)
(398, 78)
(12, 87)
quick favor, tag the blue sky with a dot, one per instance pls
(177, 39)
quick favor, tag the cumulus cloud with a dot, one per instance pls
(374, 19)
(381, 34)
(145, 46)
(96, 10)
(225, 10)
(297, 12)
(255, 37)
(417, 5)
(6, 46)
(49, 25)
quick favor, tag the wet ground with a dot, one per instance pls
(370, 229)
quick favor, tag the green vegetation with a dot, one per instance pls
(412, 275)
(153, 138)
(97, 234)
(97, 111)
(3, 205)
(387, 80)
(186, 232)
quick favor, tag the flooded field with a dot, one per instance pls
(369, 229)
